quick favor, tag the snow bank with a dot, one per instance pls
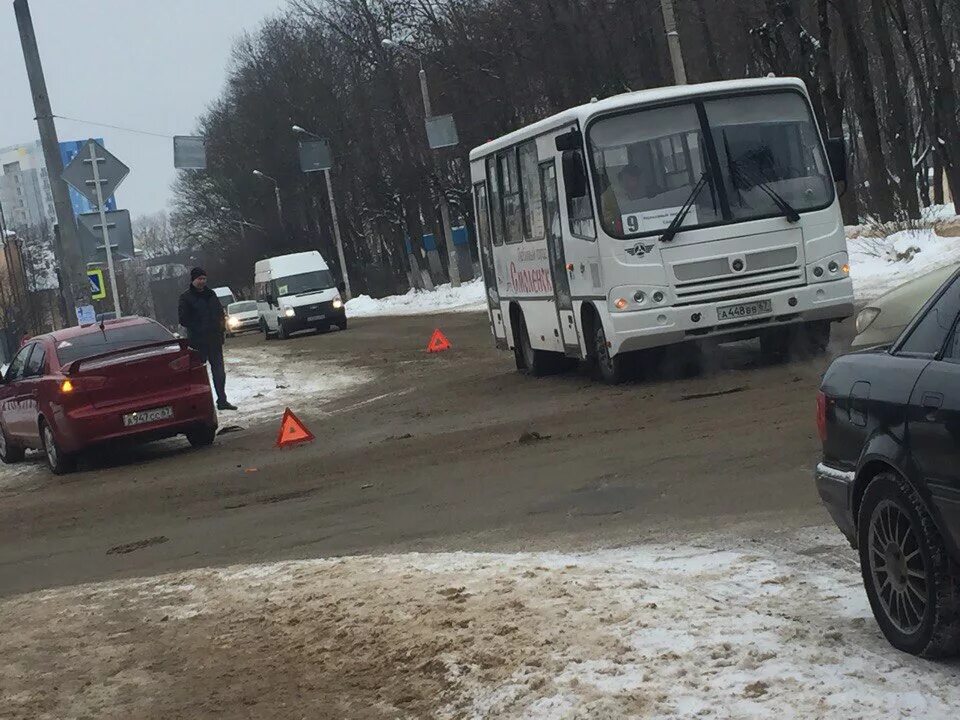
(713, 627)
(468, 297)
(880, 264)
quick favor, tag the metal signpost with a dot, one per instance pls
(96, 177)
(315, 156)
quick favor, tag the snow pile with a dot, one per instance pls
(716, 629)
(264, 379)
(882, 258)
(880, 264)
(469, 296)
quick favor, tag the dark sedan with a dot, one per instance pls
(889, 420)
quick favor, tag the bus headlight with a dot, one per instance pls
(232, 321)
(631, 298)
(289, 312)
(337, 303)
(832, 267)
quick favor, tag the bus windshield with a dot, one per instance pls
(767, 149)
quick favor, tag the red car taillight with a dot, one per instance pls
(822, 416)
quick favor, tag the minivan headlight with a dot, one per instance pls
(866, 317)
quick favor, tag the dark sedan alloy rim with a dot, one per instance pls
(896, 565)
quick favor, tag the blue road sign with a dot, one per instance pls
(98, 291)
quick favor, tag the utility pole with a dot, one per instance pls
(673, 41)
(338, 239)
(454, 265)
(67, 251)
(444, 203)
(336, 235)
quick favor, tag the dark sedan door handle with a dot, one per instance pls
(931, 403)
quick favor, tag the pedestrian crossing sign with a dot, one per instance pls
(98, 291)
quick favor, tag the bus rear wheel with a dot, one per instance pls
(611, 369)
(530, 360)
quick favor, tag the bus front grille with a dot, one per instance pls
(739, 286)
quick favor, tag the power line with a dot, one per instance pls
(115, 127)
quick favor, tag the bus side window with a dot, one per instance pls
(530, 195)
(496, 205)
(510, 195)
(580, 210)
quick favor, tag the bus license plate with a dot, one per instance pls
(147, 416)
(314, 318)
(745, 310)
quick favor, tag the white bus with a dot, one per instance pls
(660, 217)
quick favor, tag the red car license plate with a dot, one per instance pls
(147, 416)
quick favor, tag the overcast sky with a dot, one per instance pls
(155, 66)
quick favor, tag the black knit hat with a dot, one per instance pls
(197, 272)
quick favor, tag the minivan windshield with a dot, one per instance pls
(110, 339)
(752, 149)
(303, 283)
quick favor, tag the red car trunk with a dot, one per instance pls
(138, 373)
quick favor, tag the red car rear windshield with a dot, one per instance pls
(112, 338)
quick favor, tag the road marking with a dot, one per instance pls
(368, 401)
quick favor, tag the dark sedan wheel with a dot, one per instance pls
(60, 462)
(202, 436)
(912, 583)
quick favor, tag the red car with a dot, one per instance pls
(128, 379)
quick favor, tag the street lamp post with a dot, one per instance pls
(453, 261)
(333, 219)
(276, 191)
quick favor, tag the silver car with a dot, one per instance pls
(882, 321)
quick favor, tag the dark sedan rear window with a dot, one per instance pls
(112, 338)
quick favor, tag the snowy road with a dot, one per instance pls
(713, 627)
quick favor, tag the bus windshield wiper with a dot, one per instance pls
(789, 212)
(674, 227)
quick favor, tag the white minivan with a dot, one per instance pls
(225, 295)
(297, 292)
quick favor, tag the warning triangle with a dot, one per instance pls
(292, 430)
(438, 342)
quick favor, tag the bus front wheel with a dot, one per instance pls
(611, 369)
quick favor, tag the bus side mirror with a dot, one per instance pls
(270, 299)
(574, 175)
(837, 156)
(341, 287)
(572, 140)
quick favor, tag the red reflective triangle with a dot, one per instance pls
(292, 430)
(438, 342)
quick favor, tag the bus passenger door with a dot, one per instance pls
(487, 265)
(558, 262)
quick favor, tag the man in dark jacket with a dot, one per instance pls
(202, 315)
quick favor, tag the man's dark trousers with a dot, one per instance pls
(212, 353)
